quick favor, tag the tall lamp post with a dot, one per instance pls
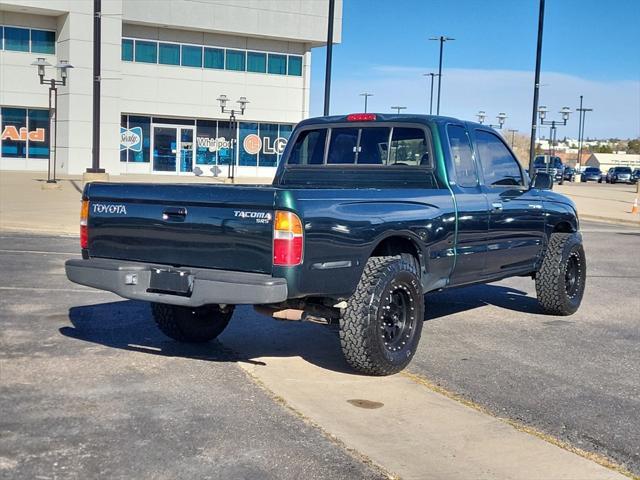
(398, 108)
(583, 112)
(242, 101)
(366, 95)
(501, 118)
(542, 113)
(513, 132)
(441, 39)
(431, 95)
(327, 73)
(63, 66)
(536, 87)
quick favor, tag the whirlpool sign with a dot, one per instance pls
(131, 139)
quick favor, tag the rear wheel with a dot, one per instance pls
(381, 326)
(191, 325)
(560, 282)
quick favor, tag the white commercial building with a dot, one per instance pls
(164, 64)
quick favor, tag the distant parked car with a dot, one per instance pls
(635, 176)
(591, 174)
(569, 174)
(550, 165)
(619, 174)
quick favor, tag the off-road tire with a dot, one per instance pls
(564, 259)
(191, 325)
(370, 343)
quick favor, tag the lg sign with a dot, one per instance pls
(253, 144)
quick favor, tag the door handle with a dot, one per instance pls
(175, 213)
(496, 206)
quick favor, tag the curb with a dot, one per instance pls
(613, 221)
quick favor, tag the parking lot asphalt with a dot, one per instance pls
(576, 378)
(90, 388)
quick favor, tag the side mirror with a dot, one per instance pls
(542, 181)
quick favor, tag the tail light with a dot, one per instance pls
(287, 239)
(84, 217)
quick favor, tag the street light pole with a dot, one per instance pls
(53, 83)
(327, 74)
(365, 95)
(536, 87)
(564, 112)
(441, 39)
(97, 39)
(223, 99)
(397, 108)
(583, 113)
(501, 119)
(431, 95)
(513, 136)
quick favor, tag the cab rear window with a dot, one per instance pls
(380, 145)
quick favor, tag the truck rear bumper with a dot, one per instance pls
(132, 279)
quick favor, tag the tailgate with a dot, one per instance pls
(208, 226)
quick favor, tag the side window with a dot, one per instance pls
(373, 148)
(462, 155)
(409, 147)
(342, 147)
(309, 148)
(498, 165)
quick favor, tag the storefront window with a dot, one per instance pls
(16, 39)
(127, 50)
(191, 56)
(295, 66)
(43, 41)
(250, 144)
(13, 119)
(169, 54)
(206, 142)
(277, 64)
(146, 52)
(236, 60)
(285, 132)
(145, 125)
(256, 62)
(225, 137)
(38, 128)
(268, 135)
(214, 58)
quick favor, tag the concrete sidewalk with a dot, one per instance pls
(25, 206)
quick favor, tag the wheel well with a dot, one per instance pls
(397, 246)
(563, 227)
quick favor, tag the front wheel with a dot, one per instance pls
(381, 326)
(561, 280)
(191, 325)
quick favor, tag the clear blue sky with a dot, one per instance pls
(591, 47)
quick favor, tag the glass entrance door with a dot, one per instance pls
(173, 149)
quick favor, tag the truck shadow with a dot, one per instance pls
(457, 300)
(252, 338)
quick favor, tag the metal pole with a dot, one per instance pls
(431, 100)
(536, 87)
(327, 74)
(97, 39)
(55, 131)
(50, 152)
(440, 73)
(579, 131)
(553, 140)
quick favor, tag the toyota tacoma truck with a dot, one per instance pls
(366, 214)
